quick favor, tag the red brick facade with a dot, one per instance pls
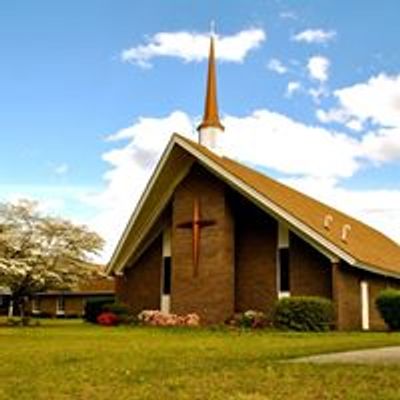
(255, 262)
(140, 287)
(310, 271)
(211, 292)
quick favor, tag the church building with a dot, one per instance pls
(214, 237)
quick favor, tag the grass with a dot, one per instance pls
(73, 360)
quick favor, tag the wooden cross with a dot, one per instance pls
(196, 224)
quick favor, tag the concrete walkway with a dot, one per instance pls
(385, 355)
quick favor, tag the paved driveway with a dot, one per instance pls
(385, 355)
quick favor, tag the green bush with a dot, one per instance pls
(388, 305)
(304, 314)
(94, 307)
(116, 308)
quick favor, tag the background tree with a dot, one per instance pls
(39, 252)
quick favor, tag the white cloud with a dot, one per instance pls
(318, 68)
(192, 46)
(314, 36)
(61, 169)
(289, 146)
(339, 115)
(292, 88)
(376, 101)
(382, 145)
(277, 66)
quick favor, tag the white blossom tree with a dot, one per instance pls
(39, 252)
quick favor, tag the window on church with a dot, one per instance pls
(167, 275)
(284, 273)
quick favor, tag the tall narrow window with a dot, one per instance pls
(283, 262)
(166, 289)
(284, 278)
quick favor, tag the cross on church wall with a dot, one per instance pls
(196, 225)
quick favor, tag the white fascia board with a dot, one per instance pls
(262, 200)
(140, 203)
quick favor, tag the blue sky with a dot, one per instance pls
(321, 78)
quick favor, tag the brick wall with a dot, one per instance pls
(256, 243)
(310, 271)
(347, 293)
(140, 286)
(211, 292)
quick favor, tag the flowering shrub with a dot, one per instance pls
(249, 319)
(107, 319)
(158, 318)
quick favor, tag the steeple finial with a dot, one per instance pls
(211, 124)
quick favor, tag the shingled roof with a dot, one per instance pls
(364, 247)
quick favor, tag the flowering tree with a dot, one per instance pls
(38, 252)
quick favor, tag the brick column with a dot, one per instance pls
(346, 296)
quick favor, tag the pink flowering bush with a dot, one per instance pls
(158, 318)
(107, 319)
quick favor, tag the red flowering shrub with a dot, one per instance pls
(158, 318)
(107, 319)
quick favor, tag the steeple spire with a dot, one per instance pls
(211, 126)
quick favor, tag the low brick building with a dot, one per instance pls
(70, 303)
(212, 236)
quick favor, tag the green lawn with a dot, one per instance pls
(73, 360)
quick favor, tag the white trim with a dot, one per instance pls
(364, 305)
(166, 252)
(283, 236)
(165, 303)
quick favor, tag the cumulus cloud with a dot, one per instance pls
(318, 68)
(314, 36)
(361, 100)
(277, 66)
(193, 47)
(292, 88)
(375, 102)
(340, 116)
(279, 140)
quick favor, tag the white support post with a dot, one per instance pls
(364, 305)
